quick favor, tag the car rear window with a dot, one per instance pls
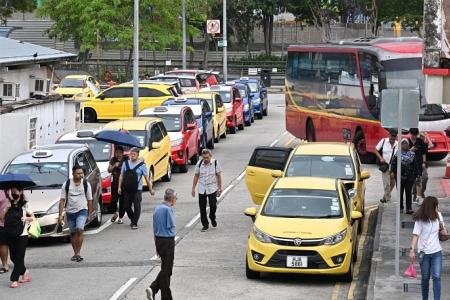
(71, 82)
(328, 166)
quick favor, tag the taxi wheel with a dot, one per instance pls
(224, 134)
(249, 122)
(348, 277)
(253, 119)
(90, 116)
(184, 167)
(216, 139)
(98, 218)
(266, 111)
(168, 176)
(250, 273)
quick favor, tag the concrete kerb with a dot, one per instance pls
(376, 255)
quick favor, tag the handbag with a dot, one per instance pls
(443, 234)
(34, 229)
(411, 270)
(383, 167)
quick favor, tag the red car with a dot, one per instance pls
(183, 130)
(234, 105)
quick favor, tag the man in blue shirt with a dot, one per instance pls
(164, 231)
(130, 183)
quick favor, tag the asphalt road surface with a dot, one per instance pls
(120, 263)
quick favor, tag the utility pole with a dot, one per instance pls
(136, 59)
(184, 33)
(225, 42)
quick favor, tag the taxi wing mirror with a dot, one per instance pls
(155, 145)
(250, 212)
(365, 175)
(101, 97)
(356, 215)
(277, 174)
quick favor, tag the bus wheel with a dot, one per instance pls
(310, 132)
(360, 145)
(436, 156)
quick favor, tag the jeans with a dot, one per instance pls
(117, 203)
(431, 264)
(133, 200)
(165, 247)
(77, 221)
(202, 200)
(17, 247)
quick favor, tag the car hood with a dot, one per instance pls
(68, 91)
(41, 200)
(299, 228)
(176, 135)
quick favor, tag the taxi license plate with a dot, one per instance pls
(297, 261)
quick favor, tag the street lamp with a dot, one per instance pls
(136, 59)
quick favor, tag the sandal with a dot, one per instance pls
(74, 258)
(79, 259)
(14, 285)
(114, 218)
(4, 270)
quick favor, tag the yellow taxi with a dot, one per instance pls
(329, 160)
(78, 86)
(304, 225)
(117, 101)
(155, 141)
(219, 114)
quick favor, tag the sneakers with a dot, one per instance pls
(214, 223)
(134, 226)
(151, 295)
(76, 258)
(119, 221)
(205, 228)
(419, 200)
(114, 218)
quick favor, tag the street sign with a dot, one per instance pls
(213, 26)
(168, 62)
(220, 43)
(409, 110)
(252, 71)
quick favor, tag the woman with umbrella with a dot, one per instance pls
(17, 217)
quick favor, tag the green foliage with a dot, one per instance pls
(7, 8)
(411, 15)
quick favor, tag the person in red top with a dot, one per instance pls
(3, 241)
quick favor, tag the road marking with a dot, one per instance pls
(123, 288)
(225, 191)
(194, 219)
(154, 257)
(371, 206)
(335, 294)
(362, 240)
(284, 133)
(274, 143)
(176, 238)
(241, 176)
(100, 229)
(290, 141)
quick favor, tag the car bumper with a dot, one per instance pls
(319, 258)
(231, 122)
(257, 107)
(440, 142)
(106, 190)
(49, 225)
(178, 157)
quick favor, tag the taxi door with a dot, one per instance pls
(160, 154)
(258, 174)
(149, 97)
(220, 116)
(360, 187)
(111, 103)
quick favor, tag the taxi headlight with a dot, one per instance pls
(54, 209)
(79, 95)
(176, 142)
(335, 239)
(261, 236)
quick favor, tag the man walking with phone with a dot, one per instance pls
(76, 197)
(130, 184)
(208, 176)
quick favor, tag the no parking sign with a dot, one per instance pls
(213, 26)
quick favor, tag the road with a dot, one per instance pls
(120, 263)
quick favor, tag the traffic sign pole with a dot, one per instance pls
(136, 59)
(225, 45)
(184, 33)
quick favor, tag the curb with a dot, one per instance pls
(375, 255)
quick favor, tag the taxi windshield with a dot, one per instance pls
(302, 203)
(100, 150)
(253, 87)
(171, 122)
(72, 82)
(328, 166)
(45, 174)
(226, 96)
(141, 135)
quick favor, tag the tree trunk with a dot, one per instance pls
(84, 57)
(266, 33)
(270, 34)
(128, 67)
(192, 52)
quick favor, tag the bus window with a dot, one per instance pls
(370, 70)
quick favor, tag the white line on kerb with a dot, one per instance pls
(284, 133)
(100, 229)
(194, 219)
(154, 257)
(225, 191)
(123, 288)
(176, 238)
(273, 143)
(241, 176)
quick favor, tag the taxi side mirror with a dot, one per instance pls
(155, 145)
(220, 109)
(365, 175)
(277, 174)
(250, 212)
(356, 215)
(101, 97)
(352, 193)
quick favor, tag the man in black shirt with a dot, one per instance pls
(419, 147)
(115, 165)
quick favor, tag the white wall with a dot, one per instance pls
(51, 123)
(22, 77)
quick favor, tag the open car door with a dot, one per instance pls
(258, 174)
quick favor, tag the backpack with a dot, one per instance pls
(85, 187)
(215, 165)
(13, 221)
(130, 180)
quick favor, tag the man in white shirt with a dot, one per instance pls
(386, 149)
(208, 176)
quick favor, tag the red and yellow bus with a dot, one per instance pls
(333, 90)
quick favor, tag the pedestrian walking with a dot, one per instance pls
(130, 184)
(208, 176)
(76, 198)
(409, 174)
(386, 149)
(418, 146)
(17, 217)
(425, 240)
(115, 167)
(164, 233)
(4, 203)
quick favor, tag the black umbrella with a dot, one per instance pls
(10, 180)
(118, 138)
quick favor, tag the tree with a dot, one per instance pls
(8, 7)
(242, 14)
(410, 15)
(266, 10)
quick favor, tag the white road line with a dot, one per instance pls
(225, 191)
(284, 133)
(194, 219)
(123, 288)
(177, 238)
(154, 257)
(100, 229)
(240, 176)
(273, 143)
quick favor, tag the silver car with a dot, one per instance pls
(49, 167)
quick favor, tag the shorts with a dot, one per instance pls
(76, 221)
(3, 238)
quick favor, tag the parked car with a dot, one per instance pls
(328, 160)
(117, 101)
(244, 91)
(188, 83)
(78, 86)
(233, 103)
(102, 153)
(171, 83)
(304, 225)
(258, 94)
(203, 115)
(155, 141)
(204, 77)
(49, 167)
(183, 131)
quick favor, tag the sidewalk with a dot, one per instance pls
(383, 284)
